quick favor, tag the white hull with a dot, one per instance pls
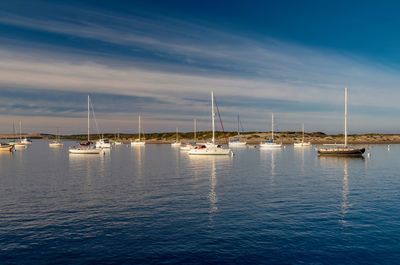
(20, 146)
(103, 145)
(270, 146)
(237, 144)
(187, 147)
(210, 151)
(302, 144)
(56, 144)
(176, 144)
(117, 143)
(88, 151)
(138, 143)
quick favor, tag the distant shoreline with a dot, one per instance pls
(249, 137)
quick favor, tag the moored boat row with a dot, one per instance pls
(209, 148)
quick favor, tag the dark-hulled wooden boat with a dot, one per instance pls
(341, 151)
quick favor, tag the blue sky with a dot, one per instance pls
(161, 59)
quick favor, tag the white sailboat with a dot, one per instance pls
(87, 150)
(177, 142)
(138, 142)
(302, 143)
(103, 143)
(118, 140)
(14, 139)
(9, 147)
(189, 146)
(20, 144)
(343, 150)
(26, 141)
(211, 148)
(57, 142)
(236, 141)
(270, 144)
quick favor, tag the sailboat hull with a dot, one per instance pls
(138, 143)
(6, 148)
(302, 144)
(20, 146)
(103, 145)
(270, 146)
(56, 144)
(210, 151)
(343, 151)
(85, 151)
(187, 147)
(237, 144)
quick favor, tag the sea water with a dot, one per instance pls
(158, 205)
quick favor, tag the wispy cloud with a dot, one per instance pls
(164, 65)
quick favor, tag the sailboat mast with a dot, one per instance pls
(238, 129)
(139, 128)
(195, 129)
(272, 127)
(177, 134)
(302, 128)
(213, 117)
(345, 116)
(20, 130)
(88, 118)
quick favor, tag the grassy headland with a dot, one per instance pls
(249, 137)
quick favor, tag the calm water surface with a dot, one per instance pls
(157, 205)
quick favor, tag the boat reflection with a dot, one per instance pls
(139, 154)
(88, 165)
(207, 165)
(269, 157)
(345, 190)
(212, 195)
(299, 152)
(342, 163)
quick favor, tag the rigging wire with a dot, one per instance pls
(94, 117)
(222, 125)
